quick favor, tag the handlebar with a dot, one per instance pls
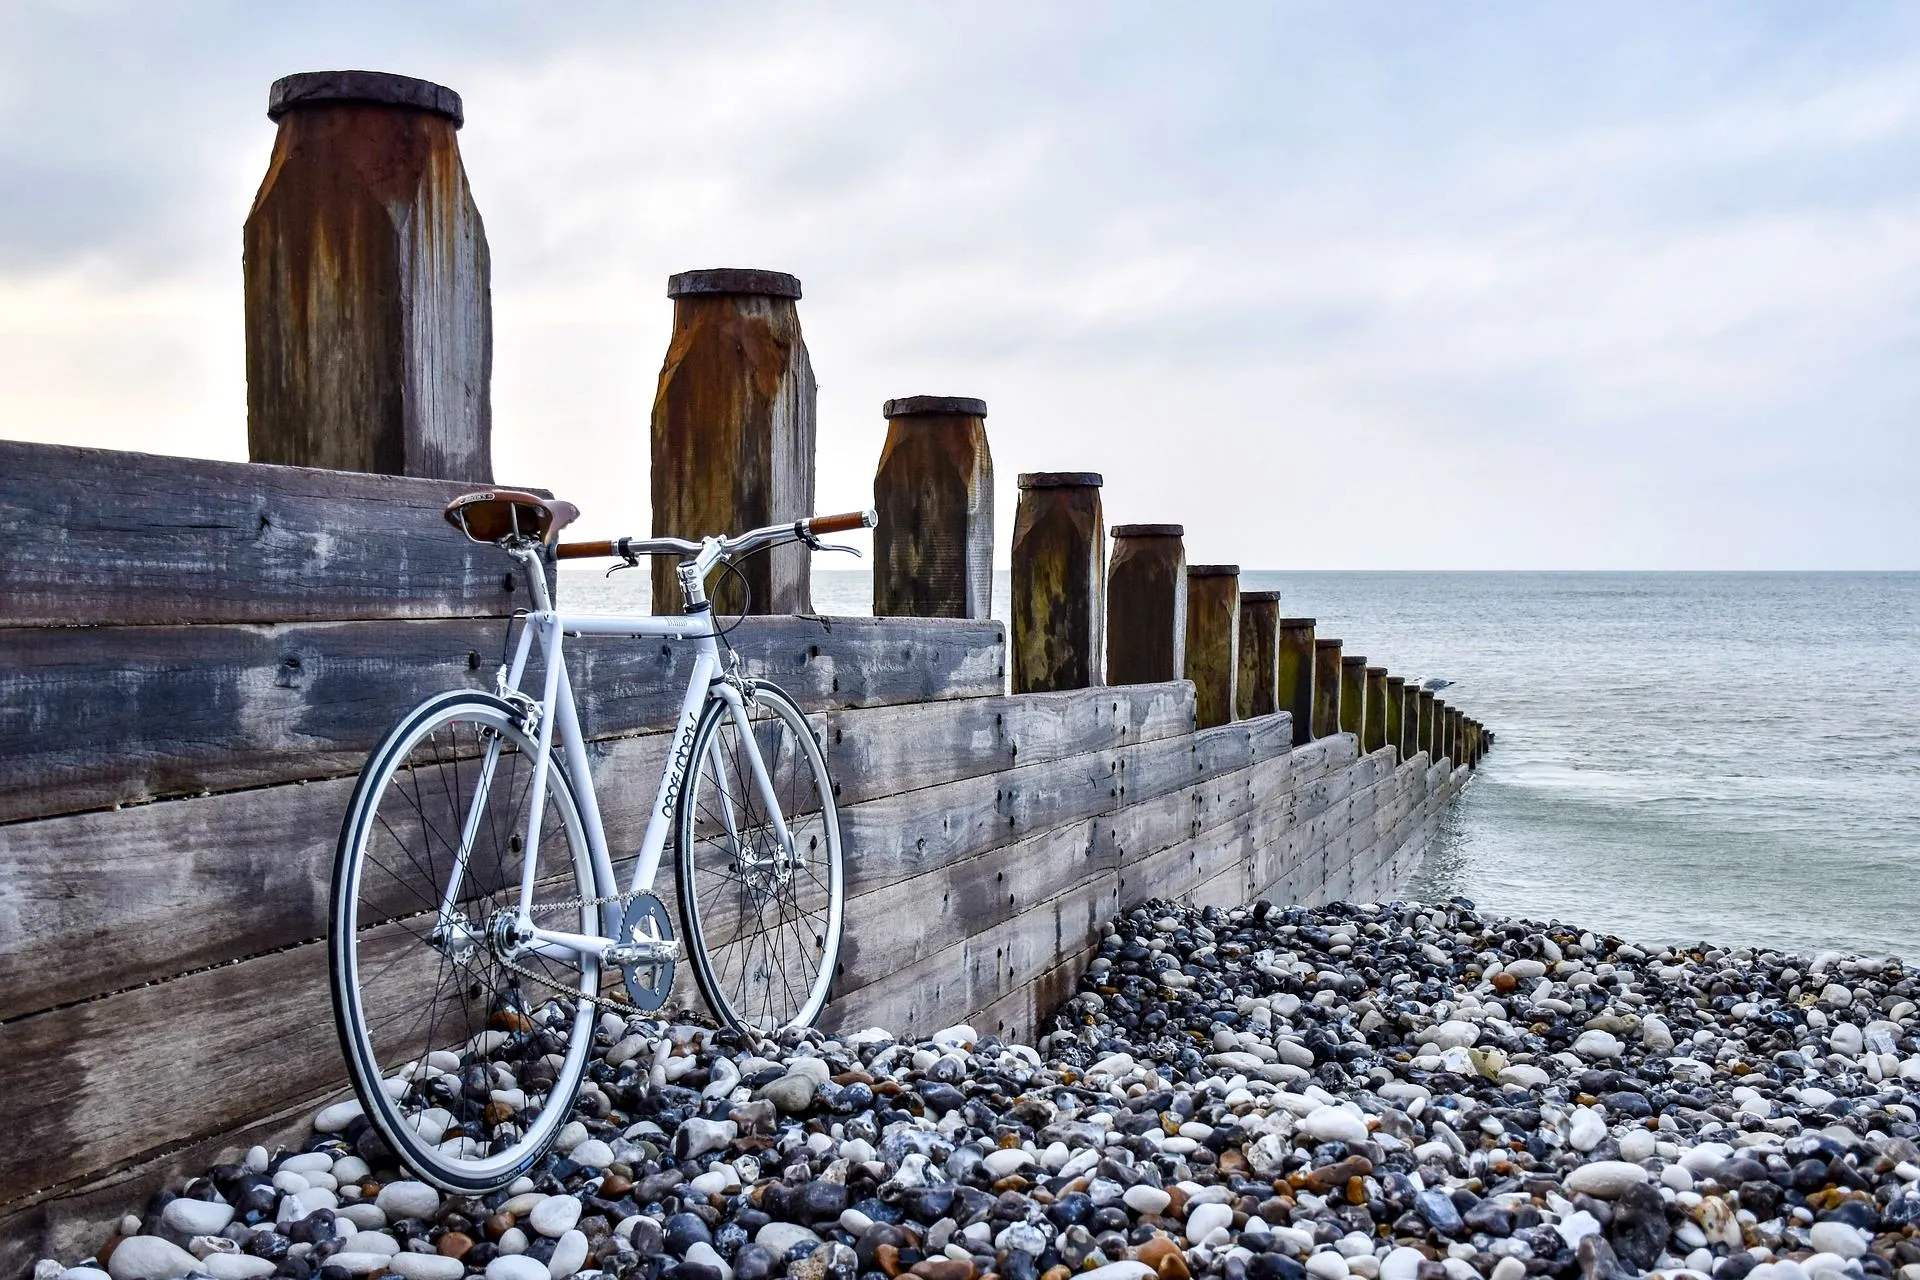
(633, 548)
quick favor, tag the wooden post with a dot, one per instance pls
(1423, 730)
(1353, 695)
(933, 490)
(1410, 722)
(1396, 714)
(1374, 727)
(1454, 736)
(1473, 744)
(1259, 687)
(1147, 604)
(369, 328)
(1295, 679)
(1437, 747)
(733, 432)
(1213, 634)
(1326, 688)
(1059, 555)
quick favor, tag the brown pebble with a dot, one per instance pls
(887, 1258)
(944, 1269)
(1505, 982)
(1056, 1272)
(499, 1224)
(454, 1244)
(509, 1020)
(614, 1186)
(1155, 1250)
(497, 1113)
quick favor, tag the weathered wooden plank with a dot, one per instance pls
(92, 717)
(1018, 1016)
(903, 748)
(99, 536)
(258, 861)
(974, 973)
(106, 1082)
(76, 1218)
(902, 923)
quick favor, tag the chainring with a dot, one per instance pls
(647, 984)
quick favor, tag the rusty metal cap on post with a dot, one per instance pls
(1148, 531)
(1261, 597)
(1399, 680)
(1060, 480)
(1353, 660)
(1319, 643)
(1376, 671)
(1213, 571)
(382, 88)
(907, 406)
(1297, 624)
(766, 284)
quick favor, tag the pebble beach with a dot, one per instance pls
(1388, 1092)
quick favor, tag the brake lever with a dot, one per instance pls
(815, 544)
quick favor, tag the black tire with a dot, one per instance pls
(763, 945)
(390, 976)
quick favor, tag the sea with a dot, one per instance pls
(1730, 758)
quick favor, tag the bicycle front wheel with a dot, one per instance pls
(761, 917)
(466, 1047)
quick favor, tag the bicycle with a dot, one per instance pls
(475, 909)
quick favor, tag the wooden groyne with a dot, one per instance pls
(195, 656)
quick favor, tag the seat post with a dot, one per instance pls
(528, 553)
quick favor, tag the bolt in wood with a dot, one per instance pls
(369, 327)
(1259, 689)
(933, 491)
(1213, 634)
(1147, 604)
(1326, 688)
(1353, 694)
(1423, 729)
(1396, 714)
(1059, 555)
(1374, 724)
(733, 432)
(1294, 680)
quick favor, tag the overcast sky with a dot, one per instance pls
(1335, 285)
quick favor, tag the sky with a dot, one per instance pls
(1337, 286)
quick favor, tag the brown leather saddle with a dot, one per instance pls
(498, 514)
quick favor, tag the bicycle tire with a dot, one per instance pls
(727, 883)
(456, 1120)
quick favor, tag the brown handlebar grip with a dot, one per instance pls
(839, 524)
(583, 550)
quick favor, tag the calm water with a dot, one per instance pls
(1733, 757)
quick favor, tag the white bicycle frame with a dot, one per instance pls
(554, 713)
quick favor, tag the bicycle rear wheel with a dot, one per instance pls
(466, 1053)
(761, 928)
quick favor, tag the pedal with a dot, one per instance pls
(645, 952)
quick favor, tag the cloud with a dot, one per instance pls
(1630, 288)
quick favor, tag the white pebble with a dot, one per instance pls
(516, 1266)
(427, 1266)
(1605, 1179)
(1204, 1219)
(1327, 1265)
(338, 1116)
(1838, 1237)
(1142, 1198)
(568, 1253)
(555, 1216)
(197, 1217)
(408, 1200)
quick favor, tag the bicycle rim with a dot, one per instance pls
(465, 1067)
(763, 941)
